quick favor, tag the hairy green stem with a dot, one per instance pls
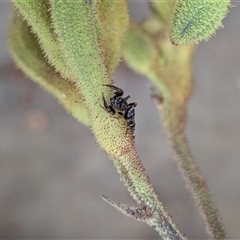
(169, 68)
(81, 43)
(174, 127)
(197, 185)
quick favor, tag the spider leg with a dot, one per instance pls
(117, 116)
(131, 125)
(107, 108)
(130, 111)
(130, 116)
(127, 97)
(134, 104)
(118, 91)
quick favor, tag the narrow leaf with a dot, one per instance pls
(29, 57)
(37, 15)
(112, 22)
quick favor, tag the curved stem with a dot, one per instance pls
(188, 168)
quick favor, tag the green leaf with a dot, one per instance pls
(28, 55)
(111, 30)
(37, 15)
(195, 20)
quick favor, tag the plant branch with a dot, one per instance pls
(192, 175)
(169, 68)
(86, 54)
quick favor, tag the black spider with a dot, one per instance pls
(117, 105)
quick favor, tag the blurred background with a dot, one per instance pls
(53, 174)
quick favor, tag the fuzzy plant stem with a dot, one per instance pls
(149, 51)
(195, 182)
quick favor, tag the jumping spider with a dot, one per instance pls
(117, 105)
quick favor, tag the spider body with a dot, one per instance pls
(118, 106)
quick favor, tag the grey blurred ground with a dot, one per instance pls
(52, 174)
